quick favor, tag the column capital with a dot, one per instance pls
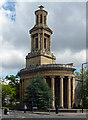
(62, 76)
(69, 77)
(52, 76)
(73, 77)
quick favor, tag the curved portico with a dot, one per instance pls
(60, 77)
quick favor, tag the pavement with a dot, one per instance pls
(0, 113)
(45, 115)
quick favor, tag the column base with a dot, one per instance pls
(61, 107)
(69, 108)
(53, 107)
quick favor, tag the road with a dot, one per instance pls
(21, 114)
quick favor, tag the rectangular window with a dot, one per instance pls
(44, 19)
(45, 43)
(40, 18)
(36, 42)
(37, 19)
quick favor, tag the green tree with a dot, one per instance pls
(41, 94)
(13, 80)
(8, 91)
(85, 88)
(85, 85)
(14, 83)
(0, 92)
(10, 88)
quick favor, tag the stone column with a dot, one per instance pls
(20, 93)
(73, 90)
(43, 19)
(23, 89)
(61, 91)
(69, 92)
(53, 90)
(31, 42)
(38, 19)
(42, 41)
(46, 43)
(38, 41)
(45, 79)
(50, 43)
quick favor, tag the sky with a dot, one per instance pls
(68, 41)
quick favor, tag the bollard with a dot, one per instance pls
(14, 113)
(5, 111)
(56, 109)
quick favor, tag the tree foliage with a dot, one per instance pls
(85, 86)
(11, 88)
(39, 92)
(85, 89)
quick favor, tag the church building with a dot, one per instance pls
(60, 77)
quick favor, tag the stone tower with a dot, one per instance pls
(59, 77)
(40, 41)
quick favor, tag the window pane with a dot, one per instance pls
(37, 19)
(36, 42)
(45, 43)
(40, 18)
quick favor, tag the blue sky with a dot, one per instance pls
(68, 42)
(10, 6)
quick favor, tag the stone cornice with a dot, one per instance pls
(40, 53)
(41, 27)
(66, 67)
(41, 10)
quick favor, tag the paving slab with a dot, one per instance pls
(44, 119)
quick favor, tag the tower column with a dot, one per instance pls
(73, 90)
(50, 43)
(53, 90)
(38, 19)
(43, 19)
(42, 41)
(69, 92)
(31, 42)
(38, 41)
(61, 91)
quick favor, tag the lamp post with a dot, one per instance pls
(82, 84)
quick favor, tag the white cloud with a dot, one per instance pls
(68, 56)
(52, 0)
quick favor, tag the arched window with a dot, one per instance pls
(36, 42)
